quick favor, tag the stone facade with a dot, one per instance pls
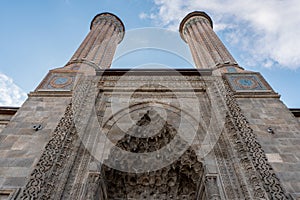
(90, 132)
(282, 144)
(6, 113)
(22, 141)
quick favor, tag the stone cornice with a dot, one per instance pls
(154, 72)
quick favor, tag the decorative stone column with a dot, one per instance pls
(207, 49)
(98, 48)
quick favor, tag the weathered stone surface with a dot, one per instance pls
(14, 182)
(264, 113)
(16, 162)
(21, 145)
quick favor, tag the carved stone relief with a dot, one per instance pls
(176, 181)
(246, 138)
(66, 159)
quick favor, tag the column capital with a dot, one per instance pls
(109, 17)
(192, 17)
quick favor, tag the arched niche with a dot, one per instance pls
(161, 163)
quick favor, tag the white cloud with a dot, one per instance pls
(11, 94)
(143, 15)
(267, 30)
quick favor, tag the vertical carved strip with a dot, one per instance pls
(101, 36)
(193, 50)
(107, 56)
(208, 42)
(231, 182)
(203, 49)
(83, 98)
(91, 41)
(95, 187)
(232, 172)
(270, 181)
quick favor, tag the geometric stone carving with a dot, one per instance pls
(269, 180)
(180, 180)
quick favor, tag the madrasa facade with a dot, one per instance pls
(217, 131)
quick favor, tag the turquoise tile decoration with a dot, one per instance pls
(240, 82)
(231, 70)
(59, 81)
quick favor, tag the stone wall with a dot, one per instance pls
(21, 145)
(6, 113)
(296, 113)
(278, 132)
(2, 126)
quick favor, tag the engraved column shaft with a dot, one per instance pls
(207, 49)
(98, 48)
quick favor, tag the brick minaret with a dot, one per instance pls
(98, 48)
(207, 49)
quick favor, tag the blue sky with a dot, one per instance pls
(37, 36)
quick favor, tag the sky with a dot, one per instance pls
(37, 36)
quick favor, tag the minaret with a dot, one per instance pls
(207, 49)
(98, 48)
(95, 52)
